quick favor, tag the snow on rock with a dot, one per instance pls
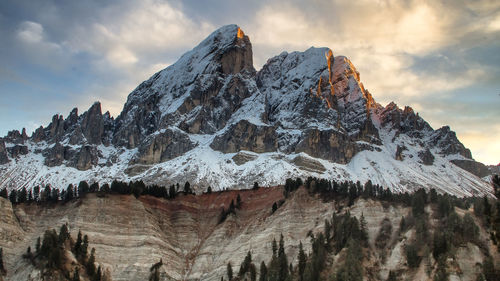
(212, 120)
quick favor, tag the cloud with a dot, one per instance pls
(30, 32)
(384, 39)
(138, 35)
(126, 48)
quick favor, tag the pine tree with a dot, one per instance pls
(98, 274)
(363, 228)
(38, 244)
(94, 187)
(302, 262)
(412, 255)
(275, 207)
(238, 201)
(253, 272)
(187, 188)
(245, 265)
(229, 271)
(209, 189)
(402, 225)
(36, 193)
(2, 267)
(78, 245)
(63, 234)
(22, 195)
(282, 260)
(45, 196)
(13, 196)
(275, 248)
(85, 246)
(255, 185)
(171, 192)
(50, 249)
(76, 275)
(263, 271)
(3, 193)
(231, 207)
(69, 193)
(489, 271)
(392, 276)
(487, 210)
(352, 269)
(91, 271)
(155, 271)
(328, 229)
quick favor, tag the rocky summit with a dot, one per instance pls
(213, 120)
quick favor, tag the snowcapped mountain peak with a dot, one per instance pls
(211, 119)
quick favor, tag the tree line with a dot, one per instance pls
(136, 188)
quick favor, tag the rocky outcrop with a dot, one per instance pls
(238, 57)
(92, 124)
(131, 129)
(72, 119)
(17, 150)
(242, 157)
(308, 164)
(163, 146)
(399, 152)
(215, 103)
(54, 156)
(15, 137)
(55, 130)
(38, 135)
(328, 144)
(404, 121)
(246, 136)
(446, 140)
(4, 158)
(86, 158)
(476, 168)
(426, 157)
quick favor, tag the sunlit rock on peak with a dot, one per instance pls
(240, 33)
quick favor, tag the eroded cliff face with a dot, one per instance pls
(131, 234)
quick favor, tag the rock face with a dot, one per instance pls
(86, 158)
(163, 146)
(246, 136)
(55, 155)
(426, 157)
(327, 144)
(17, 150)
(92, 124)
(399, 153)
(242, 157)
(188, 120)
(4, 159)
(448, 144)
(308, 164)
(131, 234)
(476, 168)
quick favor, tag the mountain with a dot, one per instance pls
(213, 120)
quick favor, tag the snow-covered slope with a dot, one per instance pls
(212, 120)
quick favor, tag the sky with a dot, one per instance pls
(441, 57)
